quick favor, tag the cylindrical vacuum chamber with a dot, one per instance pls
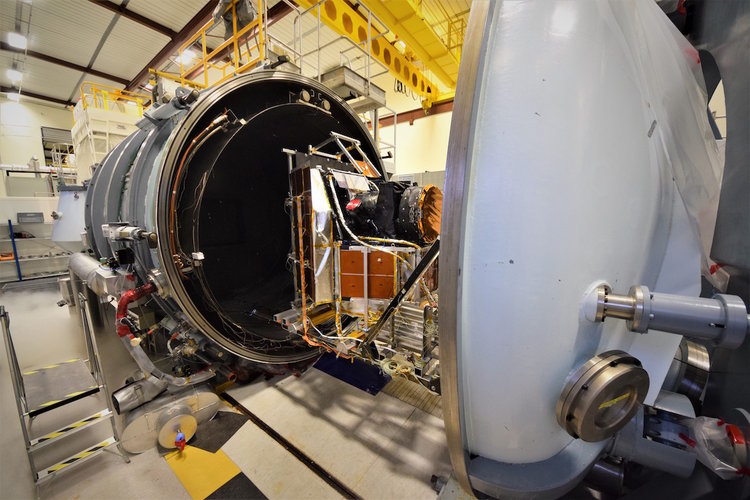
(211, 181)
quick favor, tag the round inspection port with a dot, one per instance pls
(602, 396)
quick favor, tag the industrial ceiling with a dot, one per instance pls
(115, 42)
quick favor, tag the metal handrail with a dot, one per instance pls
(97, 95)
(207, 56)
(368, 42)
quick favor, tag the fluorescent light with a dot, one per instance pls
(17, 40)
(14, 75)
(186, 57)
(148, 87)
(14, 96)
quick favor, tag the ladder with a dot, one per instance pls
(47, 388)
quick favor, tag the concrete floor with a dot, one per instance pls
(378, 446)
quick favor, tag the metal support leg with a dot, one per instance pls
(18, 389)
(97, 370)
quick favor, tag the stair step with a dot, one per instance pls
(58, 384)
(42, 441)
(75, 460)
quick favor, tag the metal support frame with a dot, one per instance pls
(364, 48)
(339, 140)
(364, 26)
(26, 413)
(415, 276)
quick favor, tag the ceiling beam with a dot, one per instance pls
(26, 93)
(186, 32)
(416, 114)
(63, 63)
(142, 20)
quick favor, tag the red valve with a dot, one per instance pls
(179, 440)
(354, 203)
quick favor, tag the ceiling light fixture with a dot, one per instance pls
(14, 75)
(186, 57)
(17, 40)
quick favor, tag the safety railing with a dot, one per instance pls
(98, 96)
(375, 29)
(233, 56)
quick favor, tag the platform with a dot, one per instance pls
(54, 385)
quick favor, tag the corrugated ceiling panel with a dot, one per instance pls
(173, 14)
(42, 77)
(69, 29)
(99, 80)
(129, 47)
(7, 16)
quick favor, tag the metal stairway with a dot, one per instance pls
(45, 389)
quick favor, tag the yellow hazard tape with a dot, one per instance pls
(72, 426)
(75, 458)
(31, 372)
(49, 403)
(614, 401)
(67, 396)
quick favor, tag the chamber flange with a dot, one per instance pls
(602, 395)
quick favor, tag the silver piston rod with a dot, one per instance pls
(722, 319)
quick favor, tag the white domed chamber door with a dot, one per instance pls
(557, 180)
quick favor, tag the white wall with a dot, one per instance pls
(719, 109)
(421, 147)
(21, 129)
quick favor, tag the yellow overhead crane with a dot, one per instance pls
(340, 16)
(404, 18)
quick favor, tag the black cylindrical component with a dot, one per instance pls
(607, 476)
(419, 214)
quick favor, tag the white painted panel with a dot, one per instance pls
(21, 129)
(568, 187)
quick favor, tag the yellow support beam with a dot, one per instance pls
(343, 19)
(404, 18)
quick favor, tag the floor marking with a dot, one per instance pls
(201, 472)
(300, 455)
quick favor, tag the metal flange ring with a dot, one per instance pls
(602, 396)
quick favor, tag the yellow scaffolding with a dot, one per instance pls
(98, 96)
(211, 59)
(405, 20)
(368, 31)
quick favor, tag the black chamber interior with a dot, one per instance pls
(240, 222)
